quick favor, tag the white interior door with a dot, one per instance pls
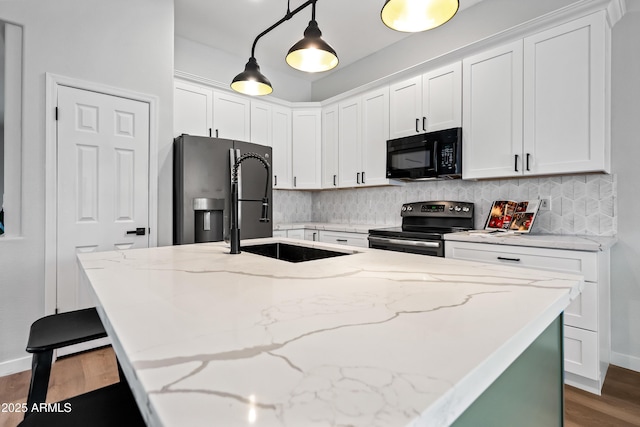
(103, 182)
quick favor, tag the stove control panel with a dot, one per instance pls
(438, 209)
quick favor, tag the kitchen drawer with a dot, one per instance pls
(583, 311)
(564, 261)
(344, 238)
(581, 352)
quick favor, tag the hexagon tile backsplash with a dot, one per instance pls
(580, 204)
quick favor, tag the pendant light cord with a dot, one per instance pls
(290, 14)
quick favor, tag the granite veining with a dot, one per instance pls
(374, 338)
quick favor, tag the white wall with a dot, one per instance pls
(484, 19)
(121, 43)
(625, 269)
(204, 61)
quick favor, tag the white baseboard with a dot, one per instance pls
(625, 361)
(16, 365)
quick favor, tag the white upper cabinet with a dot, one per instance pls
(201, 111)
(565, 88)
(363, 134)
(307, 151)
(261, 123)
(231, 117)
(375, 133)
(539, 106)
(271, 126)
(350, 141)
(406, 107)
(193, 109)
(281, 143)
(330, 154)
(442, 98)
(492, 117)
(426, 103)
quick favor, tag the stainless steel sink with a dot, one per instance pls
(291, 253)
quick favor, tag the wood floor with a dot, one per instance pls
(619, 405)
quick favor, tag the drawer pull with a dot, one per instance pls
(509, 259)
(341, 240)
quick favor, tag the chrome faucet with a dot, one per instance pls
(235, 201)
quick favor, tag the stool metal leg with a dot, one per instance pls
(40, 373)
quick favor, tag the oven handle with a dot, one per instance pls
(419, 243)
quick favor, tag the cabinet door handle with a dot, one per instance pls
(358, 178)
(528, 155)
(424, 124)
(275, 180)
(509, 259)
(209, 132)
(294, 182)
(516, 164)
(334, 180)
(363, 177)
(417, 123)
(314, 237)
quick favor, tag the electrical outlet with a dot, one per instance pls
(545, 204)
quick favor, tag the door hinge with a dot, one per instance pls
(56, 114)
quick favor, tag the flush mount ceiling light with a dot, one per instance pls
(411, 16)
(311, 54)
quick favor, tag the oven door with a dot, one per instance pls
(414, 246)
(413, 157)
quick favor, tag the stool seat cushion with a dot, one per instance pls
(109, 406)
(63, 329)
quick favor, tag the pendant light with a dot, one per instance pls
(251, 81)
(411, 16)
(312, 54)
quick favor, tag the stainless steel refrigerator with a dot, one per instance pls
(202, 182)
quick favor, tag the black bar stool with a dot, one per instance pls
(53, 332)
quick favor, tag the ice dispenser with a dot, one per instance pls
(208, 219)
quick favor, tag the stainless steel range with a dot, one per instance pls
(423, 227)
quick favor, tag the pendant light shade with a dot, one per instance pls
(412, 16)
(312, 54)
(251, 81)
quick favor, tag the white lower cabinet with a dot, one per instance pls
(312, 235)
(587, 341)
(295, 233)
(279, 233)
(344, 238)
(335, 237)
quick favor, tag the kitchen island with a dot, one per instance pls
(373, 338)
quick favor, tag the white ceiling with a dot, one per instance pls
(352, 27)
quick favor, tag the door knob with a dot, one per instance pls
(140, 231)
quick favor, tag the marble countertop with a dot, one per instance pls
(350, 228)
(549, 241)
(372, 338)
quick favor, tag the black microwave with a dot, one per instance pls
(426, 156)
